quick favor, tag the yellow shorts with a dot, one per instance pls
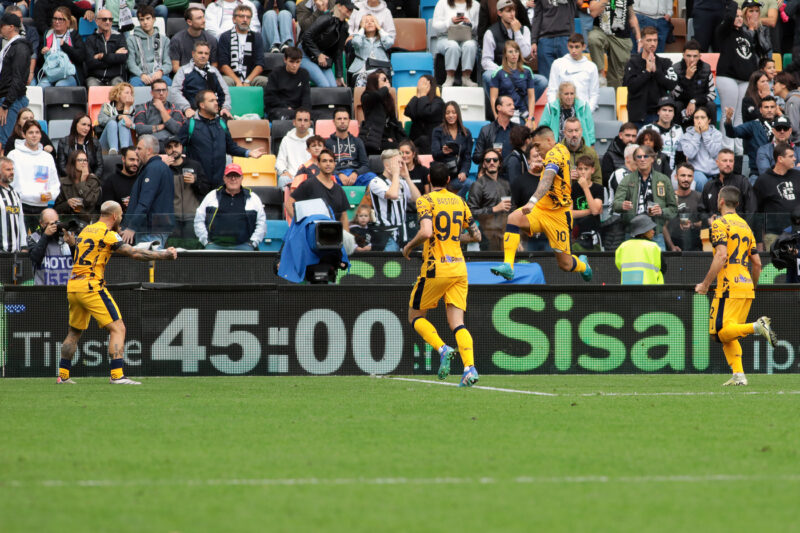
(428, 291)
(555, 223)
(86, 305)
(726, 311)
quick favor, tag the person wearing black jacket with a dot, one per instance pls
(287, 88)
(191, 186)
(380, 130)
(708, 202)
(496, 133)
(70, 42)
(106, 53)
(50, 251)
(323, 44)
(118, 186)
(425, 111)
(348, 150)
(81, 137)
(777, 193)
(695, 86)
(451, 144)
(648, 78)
(43, 12)
(31, 35)
(14, 65)
(488, 15)
(614, 158)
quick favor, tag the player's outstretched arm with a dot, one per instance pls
(545, 182)
(720, 257)
(147, 255)
(474, 234)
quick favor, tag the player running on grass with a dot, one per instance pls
(736, 266)
(443, 217)
(87, 294)
(547, 211)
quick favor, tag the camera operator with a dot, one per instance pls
(50, 249)
(785, 249)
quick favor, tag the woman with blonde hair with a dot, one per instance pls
(116, 119)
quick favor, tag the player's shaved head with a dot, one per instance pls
(729, 196)
(109, 208)
(543, 132)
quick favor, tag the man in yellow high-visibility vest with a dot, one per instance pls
(639, 258)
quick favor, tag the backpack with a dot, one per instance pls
(191, 128)
(57, 65)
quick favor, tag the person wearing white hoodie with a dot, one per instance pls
(35, 176)
(292, 152)
(378, 9)
(219, 17)
(579, 70)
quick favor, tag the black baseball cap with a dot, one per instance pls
(750, 3)
(172, 139)
(348, 4)
(665, 101)
(781, 123)
(10, 19)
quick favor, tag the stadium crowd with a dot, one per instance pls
(207, 122)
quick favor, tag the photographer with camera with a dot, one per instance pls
(784, 251)
(51, 247)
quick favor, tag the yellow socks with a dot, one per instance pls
(63, 369)
(427, 332)
(510, 243)
(734, 331)
(733, 354)
(464, 340)
(578, 265)
(116, 368)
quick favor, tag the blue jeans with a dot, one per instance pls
(136, 81)
(659, 24)
(116, 135)
(235, 247)
(391, 246)
(586, 24)
(150, 237)
(11, 118)
(321, 77)
(276, 28)
(66, 82)
(550, 49)
(700, 180)
(539, 84)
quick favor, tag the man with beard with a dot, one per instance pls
(682, 233)
(88, 298)
(573, 140)
(781, 133)
(191, 186)
(614, 157)
(755, 133)
(747, 199)
(118, 186)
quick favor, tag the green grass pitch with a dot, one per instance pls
(367, 454)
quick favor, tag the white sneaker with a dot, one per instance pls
(763, 328)
(123, 381)
(67, 381)
(603, 82)
(467, 82)
(737, 379)
(449, 81)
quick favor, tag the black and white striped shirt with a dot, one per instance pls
(12, 225)
(390, 213)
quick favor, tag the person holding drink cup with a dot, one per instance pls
(80, 189)
(191, 186)
(35, 176)
(490, 201)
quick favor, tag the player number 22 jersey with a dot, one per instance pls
(93, 249)
(734, 280)
(441, 254)
(560, 194)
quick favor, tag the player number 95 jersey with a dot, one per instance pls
(450, 216)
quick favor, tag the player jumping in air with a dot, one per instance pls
(87, 295)
(443, 217)
(736, 266)
(547, 211)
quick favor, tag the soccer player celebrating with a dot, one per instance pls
(547, 211)
(736, 266)
(87, 295)
(443, 217)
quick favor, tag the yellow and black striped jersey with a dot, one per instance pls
(560, 194)
(450, 216)
(93, 249)
(734, 280)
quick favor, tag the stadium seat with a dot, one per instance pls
(174, 25)
(278, 131)
(35, 97)
(273, 240)
(62, 103)
(672, 56)
(679, 32)
(409, 67)
(272, 198)
(411, 35)
(425, 160)
(426, 8)
(141, 95)
(404, 95)
(58, 129)
(376, 164)
(246, 100)
(605, 131)
(258, 172)
(325, 99)
(606, 104)
(86, 28)
(622, 104)
(778, 59)
(250, 134)
(354, 195)
(159, 24)
(272, 62)
(712, 60)
(43, 125)
(326, 128)
(787, 60)
(538, 108)
(97, 97)
(474, 127)
(358, 111)
(470, 99)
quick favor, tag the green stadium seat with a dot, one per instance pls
(245, 100)
(354, 195)
(787, 60)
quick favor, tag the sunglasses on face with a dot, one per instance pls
(642, 157)
(59, 19)
(104, 19)
(491, 160)
(81, 160)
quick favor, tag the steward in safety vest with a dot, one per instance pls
(639, 259)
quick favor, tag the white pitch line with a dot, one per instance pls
(288, 482)
(496, 389)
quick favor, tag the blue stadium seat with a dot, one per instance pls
(86, 28)
(474, 127)
(426, 8)
(43, 125)
(273, 240)
(409, 67)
